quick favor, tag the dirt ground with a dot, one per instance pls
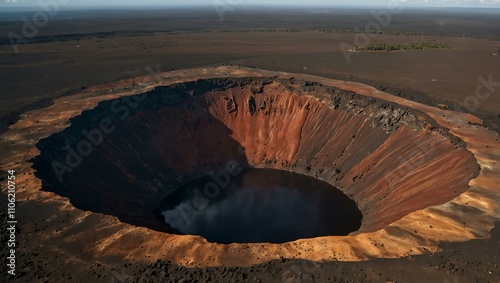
(474, 261)
(67, 56)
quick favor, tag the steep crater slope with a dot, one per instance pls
(125, 155)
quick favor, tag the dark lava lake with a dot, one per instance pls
(260, 205)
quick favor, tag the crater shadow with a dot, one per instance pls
(124, 156)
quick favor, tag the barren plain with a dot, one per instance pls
(309, 96)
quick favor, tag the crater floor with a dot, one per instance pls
(260, 206)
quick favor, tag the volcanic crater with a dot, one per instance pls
(102, 169)
(124, 156)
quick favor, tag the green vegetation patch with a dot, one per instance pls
(403, 46)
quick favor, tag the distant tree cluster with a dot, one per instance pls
(288, 30)
(403, 46)
(402, 33)
(323, 30)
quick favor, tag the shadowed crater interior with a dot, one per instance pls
(260, 205)
(136, 158)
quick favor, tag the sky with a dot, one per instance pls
(234, 3)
